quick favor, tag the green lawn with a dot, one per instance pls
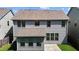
(5, 47)
(66, 47)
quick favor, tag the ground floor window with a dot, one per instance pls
(48, 36)
(30, 44)
(52, 36)
(38, 43)
(22, 43)
(56, 36)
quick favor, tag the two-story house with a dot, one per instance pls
(5, 23)
(73, 28)
(33, 29)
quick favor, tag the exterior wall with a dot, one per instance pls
(4, 28)
(74, 18)
(56, 27)
(28, 48)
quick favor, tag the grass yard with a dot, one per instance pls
(5, 47)
(66, 47)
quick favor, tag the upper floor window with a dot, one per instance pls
(48, 23)
(19, 23)
(75, 24)
(37, 23)
(23, 23)
(14, 22)
(63, 23)
(69, 21)
(8, 23)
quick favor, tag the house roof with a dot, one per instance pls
(3, 12)
(30, 32)
(40, 15)
(72, 9)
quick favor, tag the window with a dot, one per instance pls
(48, 36)
(14, 22)
(23, 23)
(30, 43)
(19, 23)
(75, 24)
(63, 23)
(69, 21)
(39, 44)
(56, 36)
(37, 23)
(52, 36)
(22, 43)
(8, 23)
(48, 23)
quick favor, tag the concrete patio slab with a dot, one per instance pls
(51, 47)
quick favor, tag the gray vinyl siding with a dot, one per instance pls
(56, 27)
(31, 39)
(4, 28)
(74, 18)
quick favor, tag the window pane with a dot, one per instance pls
(75, 24)
(47, 36)
(23, 23)
(39, 44)
(8, 23)
(14, 22)
(52, 36)
(56, 36)
(63, 23)
(36, 23)
(48, 23)
(30, 43)
(69, 21)
(19, 23)
(22, 43)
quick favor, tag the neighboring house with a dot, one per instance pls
(5, 24)
(73, 23)
(33, 29)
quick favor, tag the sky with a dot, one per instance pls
(65, 9)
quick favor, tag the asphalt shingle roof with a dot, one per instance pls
(30, 32)
(40, 15)
(3, 11)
